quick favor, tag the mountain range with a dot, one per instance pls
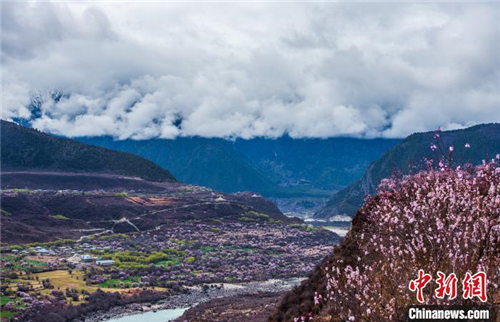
(484, 142)
(282, 167)
(56, 188)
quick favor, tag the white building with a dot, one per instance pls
(105, 262)
(86, 258)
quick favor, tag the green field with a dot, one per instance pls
(5, 299)
(170, 262)
(15, 261)
(115, 282)
(7, 314)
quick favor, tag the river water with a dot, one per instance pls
(340, 227)
(196, 296)
(158, 316)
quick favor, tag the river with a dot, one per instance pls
(174, 306)
(152, 316)
(340, 227)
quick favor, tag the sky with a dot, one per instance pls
(250, 69)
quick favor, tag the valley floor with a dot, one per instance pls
(189, 260)
(71, 253)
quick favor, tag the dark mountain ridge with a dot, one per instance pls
(281, 167)
(56, 188)
(28, 149)
(484, 141)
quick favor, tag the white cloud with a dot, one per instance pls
(138, 70)
(15, 98)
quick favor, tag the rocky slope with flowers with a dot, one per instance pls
(443, 219)
(473, 145)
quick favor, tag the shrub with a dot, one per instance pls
(114, 236)
(58, 217)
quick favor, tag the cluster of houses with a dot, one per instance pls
(38, 250)
(76, 251)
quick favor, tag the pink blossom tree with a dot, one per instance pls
(439, 220)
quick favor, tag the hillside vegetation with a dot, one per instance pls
(28, 149)
(279, 167)
(439, 220)
(407, 155)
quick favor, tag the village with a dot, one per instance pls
(167, 259)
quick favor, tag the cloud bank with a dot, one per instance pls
(164, 70)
